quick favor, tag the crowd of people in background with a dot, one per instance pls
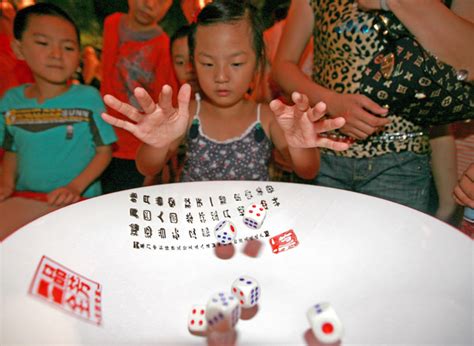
(197, 105)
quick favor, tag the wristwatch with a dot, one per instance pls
(384, 6)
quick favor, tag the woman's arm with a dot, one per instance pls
(296, 34)
(443, 165)
(359, 111)
(446, 33)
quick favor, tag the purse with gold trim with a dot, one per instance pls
(413, 83)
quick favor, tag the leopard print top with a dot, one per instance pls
(344, 43)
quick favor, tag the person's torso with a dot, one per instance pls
(141, 59)
(54, 141)
(345, 41)
(245, 157)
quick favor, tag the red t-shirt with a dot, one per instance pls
(129, 63)
(13, 72)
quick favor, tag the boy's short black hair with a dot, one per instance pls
(231, 11)
(42, 9)
(183, 31)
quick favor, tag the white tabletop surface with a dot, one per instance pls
(393, 275)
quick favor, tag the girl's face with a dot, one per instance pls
(50, 48)
(225, 61)
(181, 62)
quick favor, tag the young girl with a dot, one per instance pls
(229, 136)
(55, 141)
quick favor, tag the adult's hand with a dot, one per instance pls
(361, 113)
(464, 191)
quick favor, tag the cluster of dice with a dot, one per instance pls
(325, 323)
(223, 309)
(225, 231)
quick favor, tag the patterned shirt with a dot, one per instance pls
(344, 43)
(241, 158)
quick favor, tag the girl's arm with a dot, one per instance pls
(72, 192)
(297, 131)
(160, 126)
(151, 160)
(8, 175)
(446, 33)
(359, 111)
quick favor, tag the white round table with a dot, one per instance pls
(144, 257)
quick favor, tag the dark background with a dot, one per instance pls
(89, 15)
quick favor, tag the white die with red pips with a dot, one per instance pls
(254, 215)
(225, 232)
(247, 291)
(197, 319)
(325, 323)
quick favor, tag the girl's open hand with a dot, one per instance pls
(303, 125)
(159, 124)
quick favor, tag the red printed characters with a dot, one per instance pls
(67, 290)
(284, 241)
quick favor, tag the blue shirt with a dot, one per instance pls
(54, 141)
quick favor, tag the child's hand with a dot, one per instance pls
(6, 191)
(63, 196)
(303, 124)
(160, 123)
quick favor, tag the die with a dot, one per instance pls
(222, 311)
(325, 323)
(284, 241)
(197, 323)
(225, 232)
(247, 290)
(254, 216)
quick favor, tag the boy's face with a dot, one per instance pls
(50, 48)
(182, 65)
(144, 14)
(225, 61)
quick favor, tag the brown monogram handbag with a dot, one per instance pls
(411, 82)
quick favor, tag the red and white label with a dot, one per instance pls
(67, 290)
(284, 241)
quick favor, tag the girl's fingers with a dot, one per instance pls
(184, 95)
(317, 112)
(301, 103)
(124, 108)
(332, 144)
(277, 107)
(144, 100)
(126, 125)
(330, 124)
(165, 101)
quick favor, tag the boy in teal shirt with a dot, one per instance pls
(55, 139)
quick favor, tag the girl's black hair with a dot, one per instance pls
(183, 31)
(231, 11)
(42, 9)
